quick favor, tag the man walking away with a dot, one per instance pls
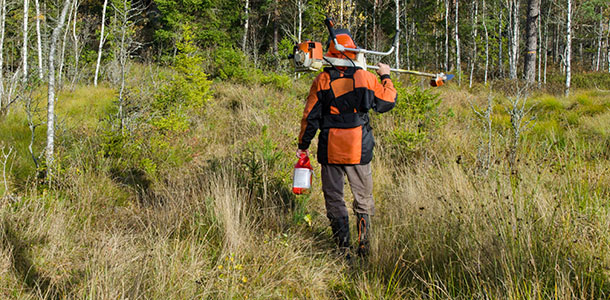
(338, 105)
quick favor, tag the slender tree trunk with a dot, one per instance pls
(244, 39)
(123, 56)
(500, 44)
(447, 35)
(24, 51)
(276, 26)
(546, 46)
(436, 50)
(533, 12)
(473, 59)
(458, 64)
(101, 45)
(62, 55)
(2, 30)
(569, 48)
(51, 90)
(75, 37)
(599, 43)
(375, 24)
(514, 43)
(39, 40)
(397, 52)
(300, 29)
(486, 41)
(608, 46)
(540, 50)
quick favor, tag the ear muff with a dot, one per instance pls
(345, 39)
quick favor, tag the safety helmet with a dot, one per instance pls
(344, 38)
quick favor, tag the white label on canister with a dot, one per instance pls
(302, 178)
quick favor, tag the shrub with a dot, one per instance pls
(229, 63)
(415, 118)
(188, 88)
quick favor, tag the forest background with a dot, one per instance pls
(147, 148)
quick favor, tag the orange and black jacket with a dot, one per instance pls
(338, 105)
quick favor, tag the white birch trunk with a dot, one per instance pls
(514, 43)
(473, 59)
(101, 45)
(75, 38)
(457, 43)
(2, 30)
(500, 44)
(540, 50)
(63, 51)
(569, 48)
(244, 39)
(51, 90)
(39, 40)
(397, 51)
(447, 35)
(24, 51)
(599, 44)
(546, 47)
(486, 41)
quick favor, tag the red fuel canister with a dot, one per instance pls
(301, 180)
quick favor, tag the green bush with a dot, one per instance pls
(279, 81)
(229, 63)
(415, 118)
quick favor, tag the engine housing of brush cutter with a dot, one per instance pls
(308, 56)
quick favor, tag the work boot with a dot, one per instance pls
(340, 227)
(363, 225)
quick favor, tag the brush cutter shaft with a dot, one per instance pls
(405, 71)
(358, 50)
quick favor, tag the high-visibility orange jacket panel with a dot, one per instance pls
(338, 105)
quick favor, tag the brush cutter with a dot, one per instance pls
(309, 56)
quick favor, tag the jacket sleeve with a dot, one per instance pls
(385, 94)
(310, 122)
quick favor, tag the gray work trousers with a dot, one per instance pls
(360, 179)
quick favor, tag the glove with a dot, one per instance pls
(301, 152)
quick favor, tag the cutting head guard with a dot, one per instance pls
(344, 38)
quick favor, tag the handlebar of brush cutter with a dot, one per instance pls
(330, 25)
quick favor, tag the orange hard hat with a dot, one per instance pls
(344, 38)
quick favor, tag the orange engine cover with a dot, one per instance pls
(313, 48)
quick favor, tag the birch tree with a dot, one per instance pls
(75, 43)
(600, 34)
(2, 30)
(533, 12)
(486, 41)
(514, 37)
(447, 35)
(568, 58)
(101, 45)
(397, 52)
(24, 51)
(39, 18)
(62, 55)
(458, 65)
(50, 148)
(473, 59)
(500, 43)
